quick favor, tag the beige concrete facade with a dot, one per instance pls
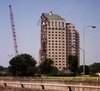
(61, 39)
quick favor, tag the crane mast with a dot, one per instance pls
(13, 31)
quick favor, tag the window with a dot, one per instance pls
(49, 37)
(49, 24)
(56, 58)
(63, 55)
(52, 23)
(63, 47)
(52, 52)
(73, 26)
(62, 24)
(52, 43)
(55, 24)
(55, 49)
(59, 24)
(56, 52)
(52, 49)
(52, 34)
(63, 58)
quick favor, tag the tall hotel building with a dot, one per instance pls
(58, 39)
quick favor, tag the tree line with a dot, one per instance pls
(26, 65)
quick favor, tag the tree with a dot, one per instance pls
(87, 70)
(94, 68)
(1, 68)
(46, 67)
(22, 65)
(72, 63)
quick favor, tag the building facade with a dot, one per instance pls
(58, 39)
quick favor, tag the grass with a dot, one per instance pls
(72, 78)
(79, 78)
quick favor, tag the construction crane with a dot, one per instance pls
(13, 31)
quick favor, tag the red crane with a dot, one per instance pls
(13, 31)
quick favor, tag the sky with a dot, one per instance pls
(27, 13)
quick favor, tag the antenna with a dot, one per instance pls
(13, 31)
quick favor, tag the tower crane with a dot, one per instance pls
(13, 31)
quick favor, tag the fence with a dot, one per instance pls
(48, 87)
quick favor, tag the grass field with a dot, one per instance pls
(80, 78)
(72, 78)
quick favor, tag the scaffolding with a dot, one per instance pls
(44, 23)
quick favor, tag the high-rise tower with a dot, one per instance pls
(55, 41)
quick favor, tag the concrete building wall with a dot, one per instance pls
(60, 37)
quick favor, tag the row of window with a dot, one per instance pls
(63, 47)
(55, 38)
(59, 61)
(56, 55)
(56, 47)
(56, 24)
(59, 64)
(55, 35)
(58, 58)
(52, 41)
(55, 44)
(55, 52)
(71, 26)
(55, 28)
(56, 32)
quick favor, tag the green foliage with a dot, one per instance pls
(94, 68)
(1, 68)
(46, 67)
(87, 70)
(73, 64)
(22, 65)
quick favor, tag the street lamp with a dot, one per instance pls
(84, 48)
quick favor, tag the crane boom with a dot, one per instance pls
(13, 31)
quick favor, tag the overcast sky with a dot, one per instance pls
(27, 14)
